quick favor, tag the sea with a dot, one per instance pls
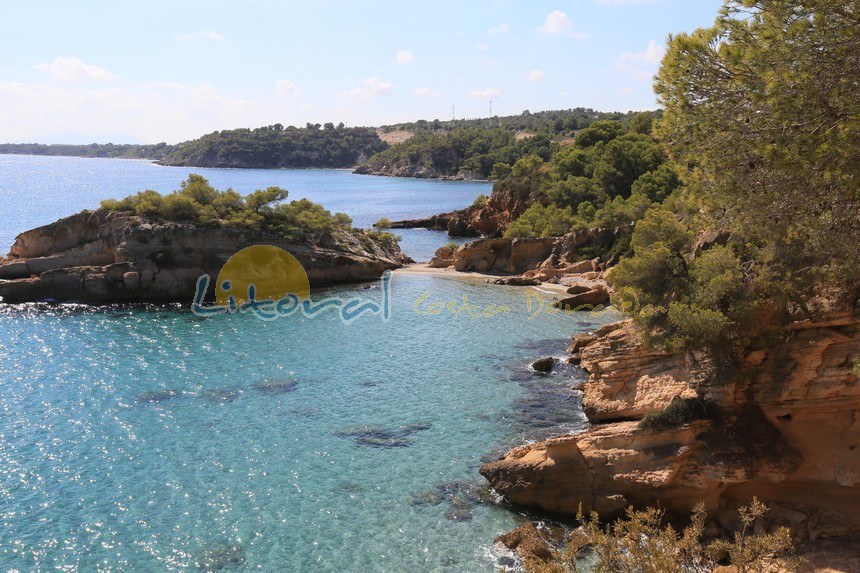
(146, 438)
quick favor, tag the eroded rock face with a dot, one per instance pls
(785, 429)
(540, 257)
(109, 257)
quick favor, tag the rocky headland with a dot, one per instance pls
(672, 428)
(103, 256)
(417, 170)
(486, 219)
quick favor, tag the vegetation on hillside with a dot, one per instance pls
(125, 151)
(610, 177)
(266, 210)
(474, 150)
(758, 141)
(489, 148)
(551, 123)
(276, 146)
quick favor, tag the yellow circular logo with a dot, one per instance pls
(261, 272)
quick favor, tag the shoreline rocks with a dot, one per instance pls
(100, 257)
(784, 429)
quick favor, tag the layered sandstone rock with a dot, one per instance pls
(106, 257)
(784, 428)
(539, 257)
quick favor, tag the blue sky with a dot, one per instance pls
(78, 72)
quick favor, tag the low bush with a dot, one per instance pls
(642, 543)
(196, 201)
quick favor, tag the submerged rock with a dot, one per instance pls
(219, 556)
(220, 394)
(155, 396)
(381, 436)
(423, 498)
(272, 387)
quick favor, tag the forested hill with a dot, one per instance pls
(276, 146)
(552, 121)
(481, 148)
(460, 148)
(126, 151)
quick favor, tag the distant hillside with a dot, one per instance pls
(553, 121)
(460, 148)
(276, 146)
(126, 151)
(479, 148)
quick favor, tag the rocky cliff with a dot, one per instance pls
(100, 256)
(785, 427)
(487, 219)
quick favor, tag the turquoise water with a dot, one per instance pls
(149, 439)
(37, 190)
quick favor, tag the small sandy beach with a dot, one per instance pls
(426, 269)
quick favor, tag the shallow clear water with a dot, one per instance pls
(37, 190)
(92, 474)
(149, 439)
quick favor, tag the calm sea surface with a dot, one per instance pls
(37, 190)
(148, 439)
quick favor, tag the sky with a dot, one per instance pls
(146, 72)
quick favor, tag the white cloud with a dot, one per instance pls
(500, 29)
(203, 35)
(481, 47)
(650, 55)
(373, 87)
(536, 76)
(641, 64)
(627, 90)
(425, 92)
(286, 88)
(485, 94)
(151, 112)
(66, 69)
(557, 23)
(404, 57)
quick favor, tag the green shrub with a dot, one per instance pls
(178, 207)
(197, 201)
(642, 543)
(540, 221)
(383, 223)
(197, 188)
(479, 200)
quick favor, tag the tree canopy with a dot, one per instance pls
(763, 112)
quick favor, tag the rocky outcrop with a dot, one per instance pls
(487, 219)
(107, 257)
(541, 257)
(418, 170)
(784, 428)
(528, 542)
(442, 258)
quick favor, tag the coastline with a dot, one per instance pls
(472, 276)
